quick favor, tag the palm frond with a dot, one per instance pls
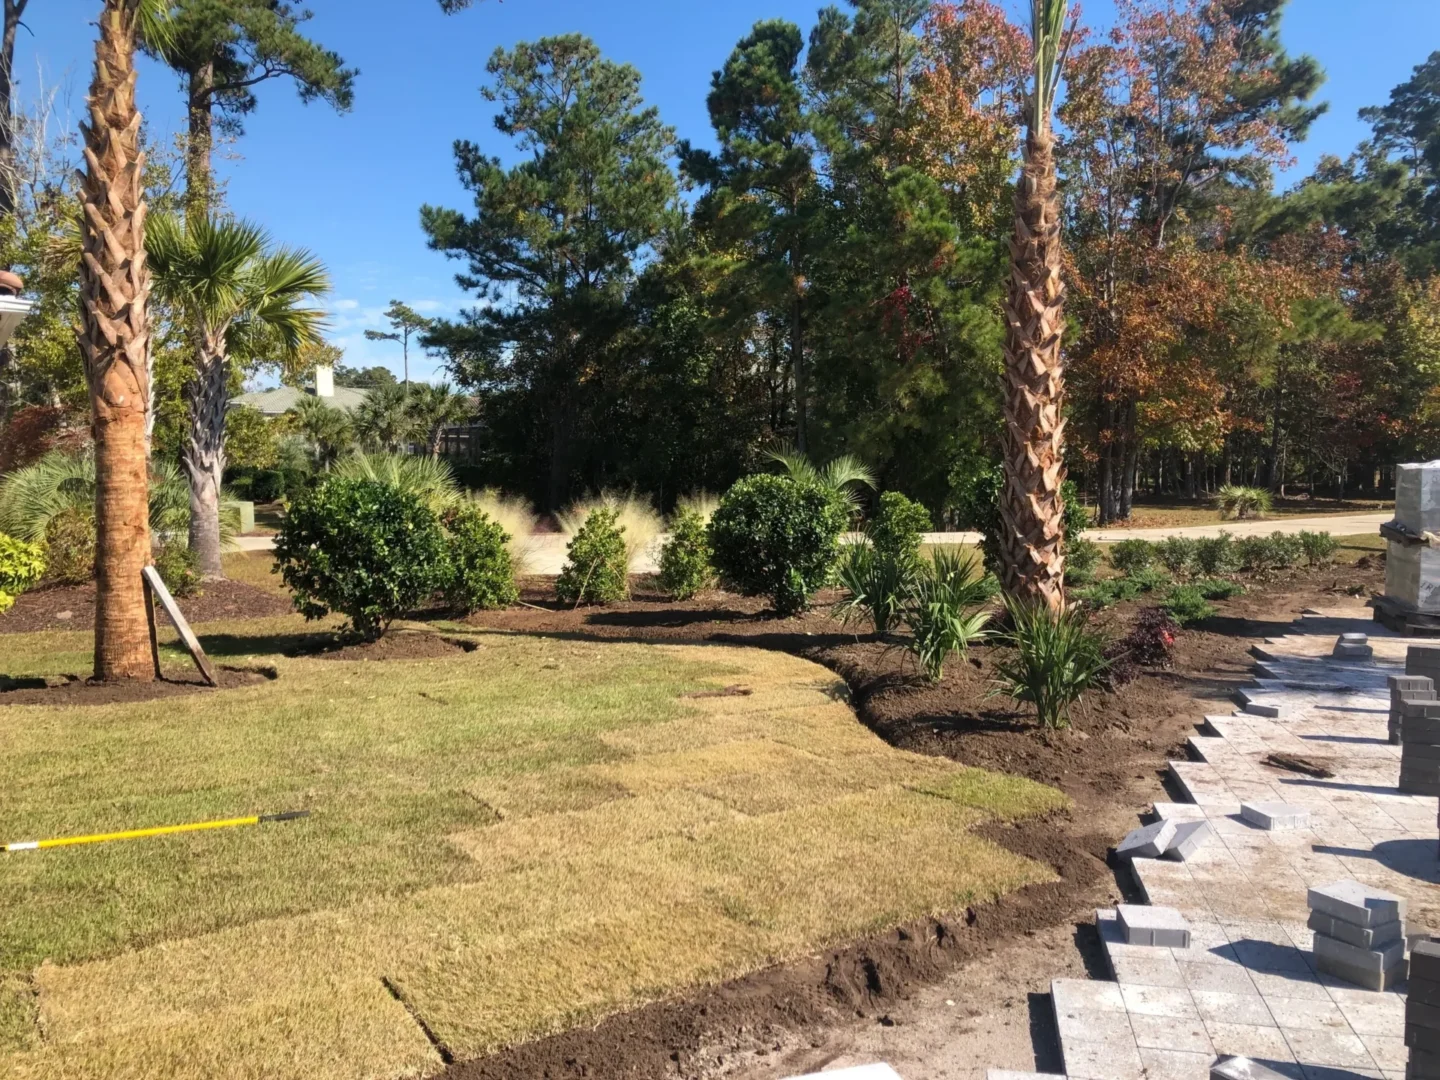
(428, 479)
(847, 471)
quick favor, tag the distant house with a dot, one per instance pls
(283, 398)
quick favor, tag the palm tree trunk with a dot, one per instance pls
(115, 340)
(203, 456)
(1031, 506)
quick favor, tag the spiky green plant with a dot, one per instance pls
(842, 476)
(1240, 502)
(1055, 658)
(878, 587)
(945, 609)
(430, 480)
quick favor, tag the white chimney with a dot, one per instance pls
(324, 381)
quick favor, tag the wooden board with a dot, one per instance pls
(155, 587)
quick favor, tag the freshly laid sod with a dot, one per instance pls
(504, 843)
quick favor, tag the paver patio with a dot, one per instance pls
(1247, 983)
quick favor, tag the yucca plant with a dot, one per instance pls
(1235, 501)
(879, 587)
(1055, 659)
(946, 609)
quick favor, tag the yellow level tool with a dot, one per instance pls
(133, 834)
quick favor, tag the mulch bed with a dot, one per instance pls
(396, 645)
(72, 690)
(72, 607)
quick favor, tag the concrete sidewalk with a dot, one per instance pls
(547, 550)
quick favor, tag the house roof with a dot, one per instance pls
(283, 398)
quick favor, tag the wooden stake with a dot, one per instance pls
(156, 588)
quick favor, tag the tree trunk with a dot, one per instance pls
(558, 489)
(802, 382)
(1031, 505)
(9, 181)
(115, 341)
(203, 456)
(199, 183)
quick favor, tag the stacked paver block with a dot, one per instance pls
(1353, 646)
(1412, 571)
(1359, 934)
(1405, 688)
(1422, 1013)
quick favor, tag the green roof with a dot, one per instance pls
(283, 398)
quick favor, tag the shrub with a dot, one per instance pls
(944, 610)
(1240, 502)
(1319, 548)
(897, 527)
(597, 571)
(685, 558)
(775, 536)
(1274, 552)
(430, 480)
(22, 566)
(976, 500)
(1110, 591)
(1077, 517)
(1056, 658)
(1082, 559)
(1150, 643)
(1128, 556)
(516, 517)
(70, 546)
(633, 515)
(481, 572)
(1176, 554)
(1150, 579)
(879, 587)
(363, 549)
(1218, 588)
(178, 568)
(1215, 554)
(1187, 604)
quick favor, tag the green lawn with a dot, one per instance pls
(504, 843)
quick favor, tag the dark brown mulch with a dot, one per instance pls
(72, 607)
(396, 645)
(72, 690)
(1112, 765)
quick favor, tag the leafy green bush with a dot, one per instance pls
(897, 527)
(1319, 547)
(1077, 517)
(1176, 554)
(178, 568)
(1082, 559)
(1239, 502)
(1128, 556)
(1056, 658)
(1110, 591)
(775, 536)
(22, 566)
(1150, 579)
(685, 558)
(363, 549)
(481, 573)
(1215, 554)
(597, 571)
(944, 610)
(877, 584)
(976, 488)
(1218, 588)
(1187, 604)
(1274, 552)
(70, 546)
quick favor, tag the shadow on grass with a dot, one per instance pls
(284, 644)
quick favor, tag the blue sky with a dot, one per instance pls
(349, 187)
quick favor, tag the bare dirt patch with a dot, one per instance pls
(396, 645)
(72, 607)
(928, 994)
(66, 690)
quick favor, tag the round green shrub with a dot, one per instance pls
(482, 574)
(70, 546)
(598, 569)
(898, 527)
(363, 549)
(21, 567)
(1176, 554)
(777, 537)
(1082, 559)
(1320, 547)
(178, 568)
(685, 558)
(1130, 556)
(1215, 555)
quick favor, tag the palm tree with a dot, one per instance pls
(232, 286)
(383, 421)
(433, 409)
(114, 337)
(841, 476)
(327, 429)
(1030, 505)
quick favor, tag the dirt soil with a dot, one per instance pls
(72, 607)
(72, 690)
(396, 645)
(950, 997)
